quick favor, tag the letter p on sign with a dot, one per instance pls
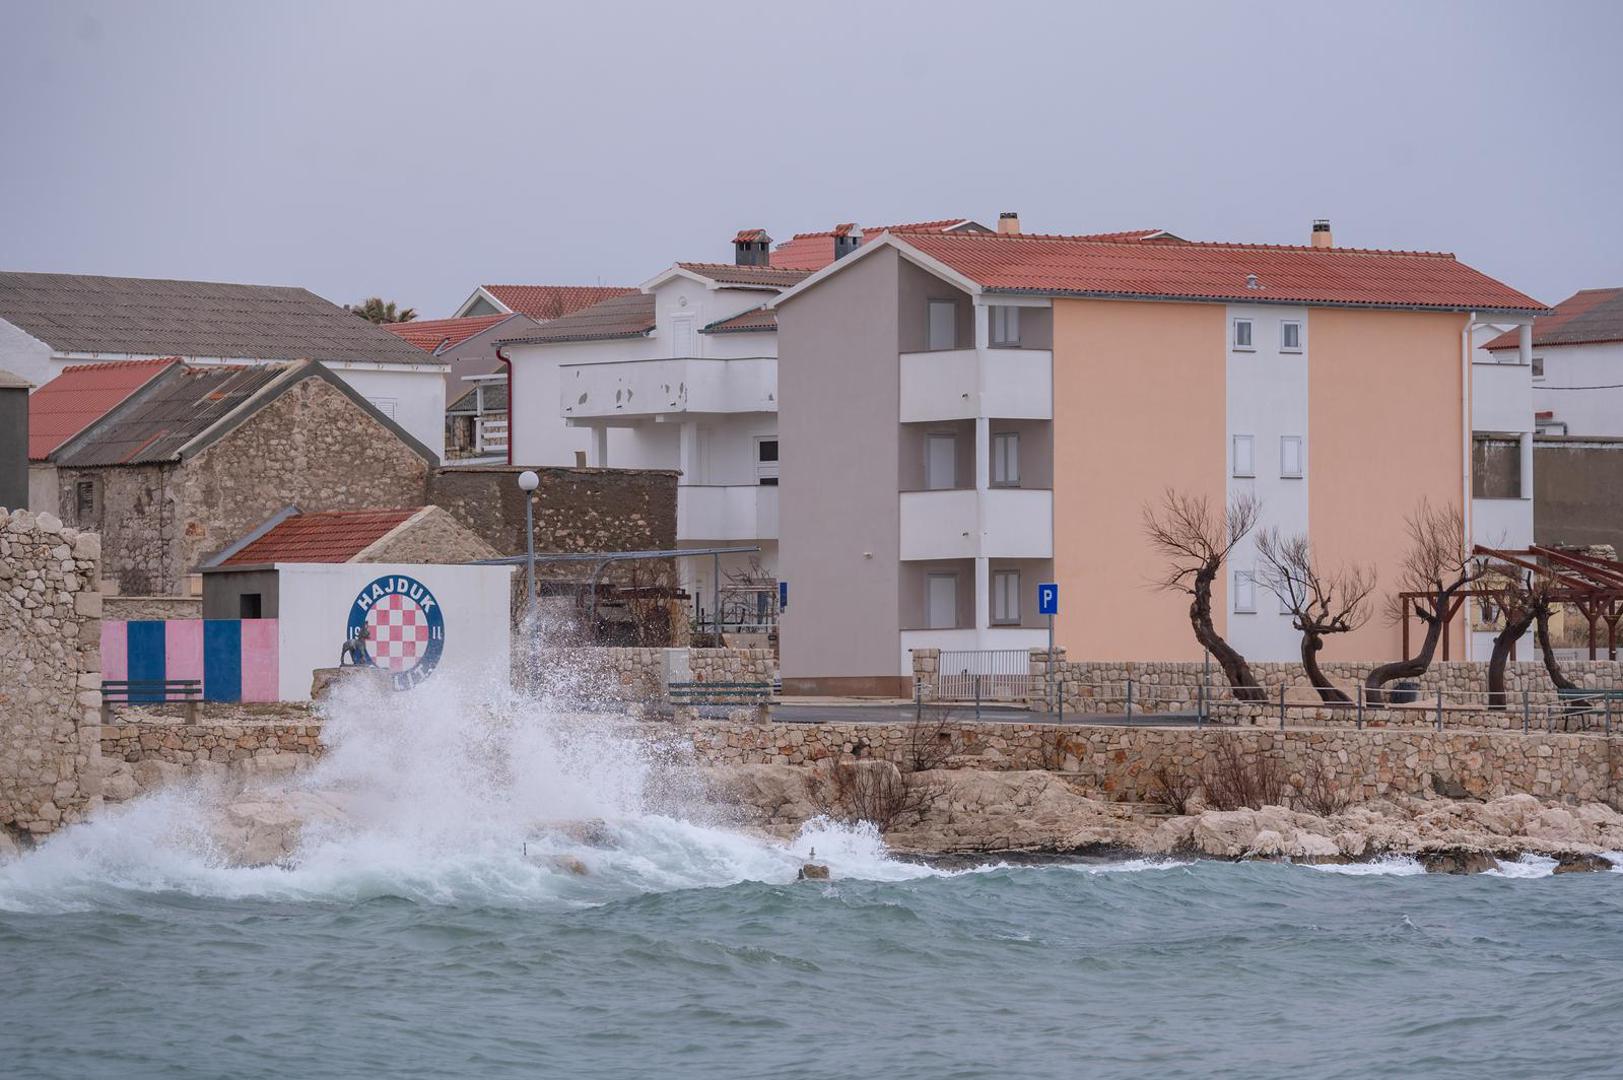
(1048, 598)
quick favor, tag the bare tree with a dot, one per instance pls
(1546, 648)
(1439, 567)
(1521, 598)
(1196, 541)
(1320, 602)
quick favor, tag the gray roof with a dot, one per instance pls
(112, 316)
(12, 381)
(192, 405)
(618, 317)
(495, 399)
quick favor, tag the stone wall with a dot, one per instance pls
(152, 607)
(431, 536)
(576, 510)
(1123, 762)
(50, 672)
(639, 676)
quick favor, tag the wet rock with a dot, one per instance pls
(9, 848)
(1578, 864)
(1458, 862)
(813, 872)
(569, 864)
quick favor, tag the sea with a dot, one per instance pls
(447, 928)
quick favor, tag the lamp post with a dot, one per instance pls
(528, 481)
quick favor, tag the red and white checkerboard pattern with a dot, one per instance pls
(399, 633)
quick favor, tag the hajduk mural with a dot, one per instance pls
(403, 626)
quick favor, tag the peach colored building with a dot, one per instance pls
(965, 416)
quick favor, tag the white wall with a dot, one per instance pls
(314, 601)
(412, 398)
(1267, 399)
(25, 355)
(1585, 412)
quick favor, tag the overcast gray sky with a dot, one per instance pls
(416, 149)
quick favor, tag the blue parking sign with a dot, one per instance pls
(1048, 598)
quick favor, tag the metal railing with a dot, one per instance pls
(490, 435)
(985, 675)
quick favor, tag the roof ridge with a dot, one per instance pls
(104, 365)
(1093, 238)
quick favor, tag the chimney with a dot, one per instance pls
(1321, 233)
(752, 247)
(1008, 223)
(847, 238)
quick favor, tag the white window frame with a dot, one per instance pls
(1006, 452)
(1006, 597)
(1286, 444)
(1250, 334)
(1245, 592)
(766, 469)
(1005, 329)
(1243, 457)
(1285, 346)
(1536, 364)
(951, 307)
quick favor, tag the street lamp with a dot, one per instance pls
(528, 481)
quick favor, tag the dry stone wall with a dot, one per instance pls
(634, 676)
(152, 607)
(50, 672)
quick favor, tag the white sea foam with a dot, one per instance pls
(1526, 866)
(1385, 866)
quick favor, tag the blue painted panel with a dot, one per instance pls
(222, 660)
(1048, 598)
(147, 658)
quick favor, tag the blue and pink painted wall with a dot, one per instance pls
(237, 660)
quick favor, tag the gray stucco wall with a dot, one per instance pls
(14, 448)
(840, 520)
(914, 289)
(223, 592)
(1577, 483)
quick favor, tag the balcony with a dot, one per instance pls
(726, 512)
(961, 384)
(1000, 523)
(1501, 397)
(645, 389)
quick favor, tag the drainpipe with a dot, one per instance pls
(502, 358)
(1467, 422)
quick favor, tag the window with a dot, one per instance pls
(1005, 325)
(941, 601)
(249, 605)
(1005, 596)
(1290, 336)
(943, 324)
(1006, 459)
(1245, 463)
(1496, 467)
(1242, 334)
(766, 461)
(1245, 592)
(940, 462)
(1538, 367)
(84, 499)
(1290, 455)
(385, 405)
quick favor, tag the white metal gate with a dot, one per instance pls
(983, 675)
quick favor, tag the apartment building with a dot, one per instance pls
(967, 415)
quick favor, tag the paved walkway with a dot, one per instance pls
(808, 710)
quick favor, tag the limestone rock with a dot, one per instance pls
(813, 872)
(1458, 862)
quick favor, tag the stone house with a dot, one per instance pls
(199, 455)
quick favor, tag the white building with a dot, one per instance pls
(1576, 356)
(680, 375)
(49, 322)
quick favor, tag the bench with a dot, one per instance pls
(1584, 698)
(151, 692)
(711, 695)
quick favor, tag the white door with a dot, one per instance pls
(943, 601)
(940, 462)
(682, 336)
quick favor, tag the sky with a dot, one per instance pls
(414, 150)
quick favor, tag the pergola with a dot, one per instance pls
(1589, 584)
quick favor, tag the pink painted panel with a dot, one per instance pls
(183, 649)
(115, 649)
(261, 666)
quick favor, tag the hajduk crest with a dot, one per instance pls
(405, 628)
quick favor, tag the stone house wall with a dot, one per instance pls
(133, 509)
(152, 607)
(50, 672)
(433, 536)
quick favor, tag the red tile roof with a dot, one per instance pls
(1200, 271)
(1587, 317)
(815, 250)
(754, 320)
(553, 301)
(750, 236)
(434, 335)
(766, 277)
(331, 536)
(81, 395)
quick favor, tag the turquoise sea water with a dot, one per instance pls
(1133, 969)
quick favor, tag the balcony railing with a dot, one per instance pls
(647, 388)
(961, 384)
(726, 512)
(1002, 523)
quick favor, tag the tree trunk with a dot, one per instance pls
(1233, 664)
(1415, 666)
(1548, 650)
(1502, 644)
(1312, 642)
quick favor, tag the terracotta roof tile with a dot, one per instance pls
(770, 277)
(546, 302)
(631, 315)
(81, 395)
(815, 250)
(1587, 317)
(1199, 271)
(436, 335)
(331, 536)
(754, 320)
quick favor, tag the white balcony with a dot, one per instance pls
(1001, 523)
(647, 388)
(1501, 397)
(726, 512)
(961, 384)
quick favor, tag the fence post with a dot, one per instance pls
(977, 695)
(1439, 708)
(1358, 692)
(1200, 706)
(918, 700)
(1527, 708)
(1608, 712)
(1281, 706)
(1061, 697)
(1129, 697)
